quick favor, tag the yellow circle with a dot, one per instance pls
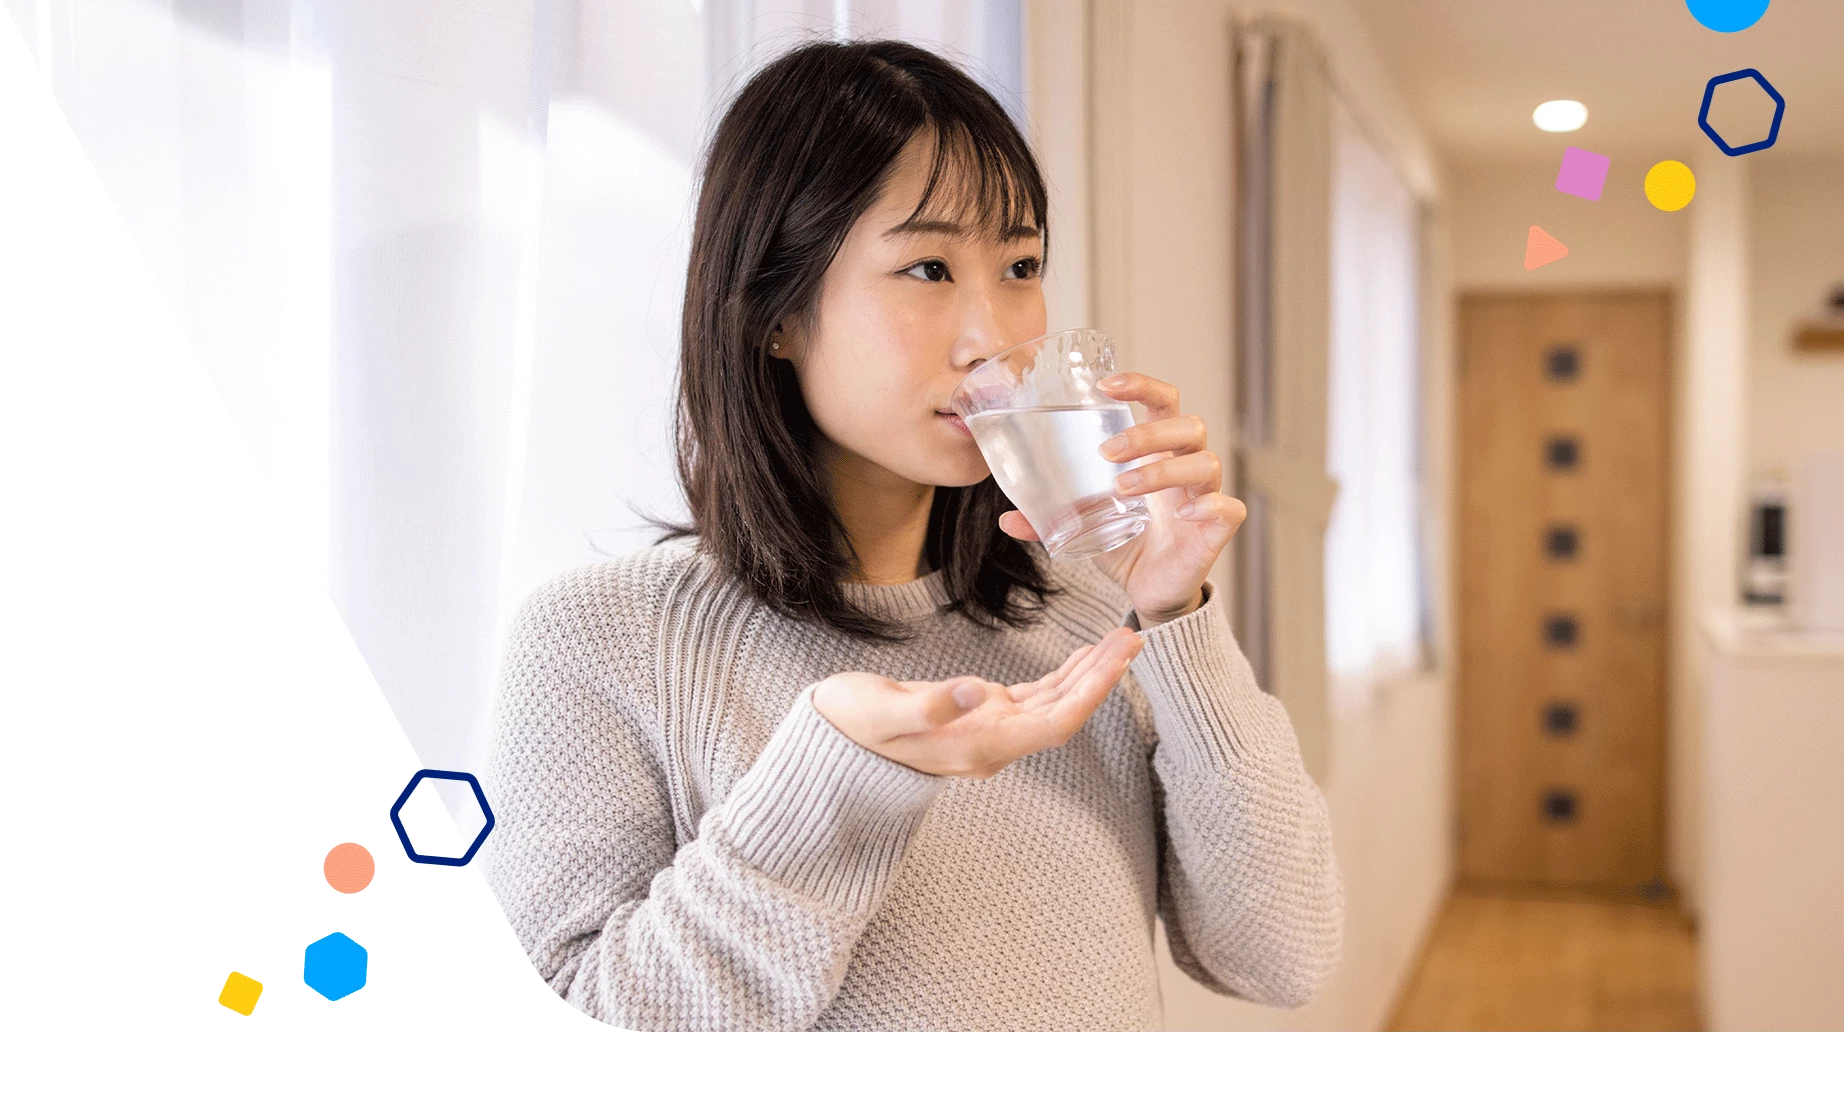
(1670, 185)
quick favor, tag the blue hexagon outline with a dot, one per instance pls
(1709, 97)
(403, 835)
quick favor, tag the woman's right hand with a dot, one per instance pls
(968, 726)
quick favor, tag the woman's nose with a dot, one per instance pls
(984, 331)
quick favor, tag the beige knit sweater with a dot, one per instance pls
(684, 843)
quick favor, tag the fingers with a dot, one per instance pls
(1217, 509)
(1197, 474)
(924, 728)
(1087, 690)
(1186, 433)
(1015, 524)
(1063, 670)
(1116, 648)
(1119, 647)
(1021, 691)
(1070, 663)
(1159, 398)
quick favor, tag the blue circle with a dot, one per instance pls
(335, 966)
(1728, 15)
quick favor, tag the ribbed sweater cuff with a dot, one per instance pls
(1206, 703)
(823, 814)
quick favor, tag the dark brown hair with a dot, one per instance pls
(799, 155)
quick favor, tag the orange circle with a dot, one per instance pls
(349, 867)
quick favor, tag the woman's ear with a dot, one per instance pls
(785, 342)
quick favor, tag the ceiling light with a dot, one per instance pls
(1560, 115)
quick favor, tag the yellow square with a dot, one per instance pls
(240, 993)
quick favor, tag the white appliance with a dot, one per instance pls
(1815, 544)
(1764, 572)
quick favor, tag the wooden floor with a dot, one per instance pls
(1500, 961)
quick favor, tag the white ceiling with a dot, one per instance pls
(1474, 69)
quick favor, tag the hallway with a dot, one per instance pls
(1510, 960)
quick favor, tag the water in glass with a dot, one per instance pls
(1047, 461)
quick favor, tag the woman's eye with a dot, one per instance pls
(932, 270)
(1026, 268)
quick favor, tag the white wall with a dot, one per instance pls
(1767, 246)
(1161, 275)
(1056, 44)
(1773, 878)
(1619, 240)
(1707, 515)
(1795, 399)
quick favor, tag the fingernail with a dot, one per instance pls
(1189, 509)
(969, 695)
(1113, 380)
(1113, 444)
(1129, 481)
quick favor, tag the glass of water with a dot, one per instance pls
(1039, 419)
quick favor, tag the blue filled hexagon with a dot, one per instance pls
(335, 966)
(1709, 98)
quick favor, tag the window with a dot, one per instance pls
(1373, 588)
(439, 289)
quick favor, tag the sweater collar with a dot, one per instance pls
(918, 598)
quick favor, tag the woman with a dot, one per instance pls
(847, 751)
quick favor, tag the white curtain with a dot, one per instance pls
(1282, 97)
(432, 256)
(1373, 608)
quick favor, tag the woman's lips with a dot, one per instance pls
(959, 425)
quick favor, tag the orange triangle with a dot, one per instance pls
(1542, 249)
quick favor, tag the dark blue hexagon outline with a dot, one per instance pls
(1709, 97)
(404, 835)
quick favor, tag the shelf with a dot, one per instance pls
(1765, 632)
(1819, 337)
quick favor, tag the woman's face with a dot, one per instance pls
(904, 312)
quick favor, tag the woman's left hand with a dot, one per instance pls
(1164, 568)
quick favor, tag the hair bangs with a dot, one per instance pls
(983, 181)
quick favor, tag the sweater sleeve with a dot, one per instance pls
(1248, 887)
(749, 925)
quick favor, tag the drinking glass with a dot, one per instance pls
(1039, 419)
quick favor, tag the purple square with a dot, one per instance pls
(1583, 173)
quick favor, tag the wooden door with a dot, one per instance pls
(1562, 587)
